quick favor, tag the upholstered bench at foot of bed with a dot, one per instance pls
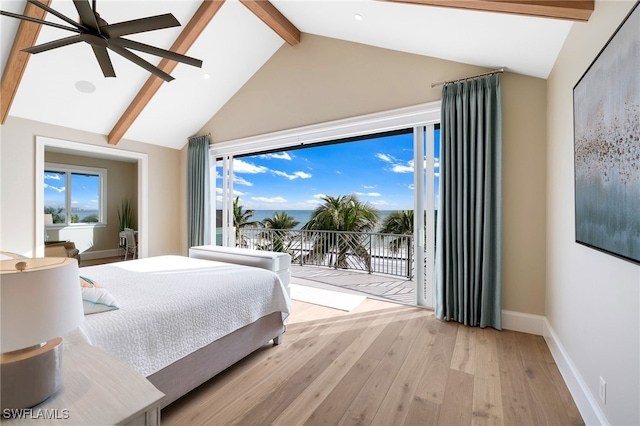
(279, 263)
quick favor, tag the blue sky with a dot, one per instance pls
(379, 171)
(84, 195)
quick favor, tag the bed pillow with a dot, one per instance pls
(97, 299)
(88, 282)
(7, 255)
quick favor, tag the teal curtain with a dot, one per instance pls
(469, 226)
(198, 196)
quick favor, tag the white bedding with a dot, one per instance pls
(171, 306)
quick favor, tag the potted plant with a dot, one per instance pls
(124, 214)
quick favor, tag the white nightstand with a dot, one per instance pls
(97, 389)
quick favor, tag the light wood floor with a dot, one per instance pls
(384, 364)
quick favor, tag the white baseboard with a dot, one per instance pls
(585, 400)
(537, 324)
(525, 323)
(100, 254)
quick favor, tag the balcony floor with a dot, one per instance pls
(377, 286)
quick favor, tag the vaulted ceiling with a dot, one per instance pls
(234, 38)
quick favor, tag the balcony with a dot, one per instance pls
(373, 264)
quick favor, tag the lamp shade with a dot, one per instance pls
(40, 303)
(48, 219)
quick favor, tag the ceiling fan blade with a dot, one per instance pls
(87, 17)
(38, 21)
(105, 62)
(142, 25)
(55, 13)
(53, 44)
(141, 47)
(141, 62)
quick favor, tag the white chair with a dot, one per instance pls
(131, 246)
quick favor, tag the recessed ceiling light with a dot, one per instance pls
(206, 76)
(358, 17)
(85, 86)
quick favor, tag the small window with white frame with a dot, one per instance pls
(74, 195)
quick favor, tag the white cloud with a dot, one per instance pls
(235, 193)
(75, 202)
(385, 157)
(338, 172)
(368, 186)
(53, 177)
(241, 181)
(295, 175)
(55, 188)
(369, 194)
(269, 199)
(319, 196)
(396, 165)
(379, 203)
(240, 166)
(277, 156)
(400, 168)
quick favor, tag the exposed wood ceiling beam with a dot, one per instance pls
(274, 19)
(575, 10)
(26, 37)
(185, 40)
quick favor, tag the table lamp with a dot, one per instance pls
(40, 300)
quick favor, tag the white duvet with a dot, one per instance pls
(171, 306)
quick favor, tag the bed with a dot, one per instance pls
(181, 321)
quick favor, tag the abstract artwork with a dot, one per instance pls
(606, 105)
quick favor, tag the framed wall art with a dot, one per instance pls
(606, 109)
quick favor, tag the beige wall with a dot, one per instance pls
(122, 182)
(324, 79)
(592, 299)
(17, 185)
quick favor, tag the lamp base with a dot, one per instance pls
(29, 376)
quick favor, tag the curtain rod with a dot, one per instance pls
(198, 136)
(499, 70)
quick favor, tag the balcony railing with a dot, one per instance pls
(390, 254)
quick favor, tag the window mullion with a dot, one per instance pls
(67, 192)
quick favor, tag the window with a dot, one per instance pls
(75, 195)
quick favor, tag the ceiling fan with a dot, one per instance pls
(95, 31)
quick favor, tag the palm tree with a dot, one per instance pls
(398, 222)
(280, 223)
(242, 219)
(56, 214)
(344, 213)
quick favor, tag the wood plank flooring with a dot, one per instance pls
(384, 364)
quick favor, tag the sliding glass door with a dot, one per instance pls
(426, 184)
(416, 129)
(223, 197)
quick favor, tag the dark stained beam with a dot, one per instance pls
(574, 10)
(185, 40)
(274, 19)
(26, 37)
